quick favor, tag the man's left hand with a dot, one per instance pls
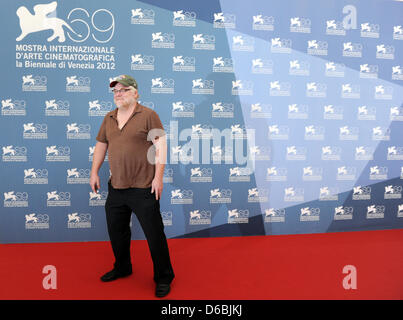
(156, 187)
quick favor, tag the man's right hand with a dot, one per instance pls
(99, 156)
(94, 183)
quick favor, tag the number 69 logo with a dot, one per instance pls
(99, 25)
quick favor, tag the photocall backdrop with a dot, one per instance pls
(282, 117)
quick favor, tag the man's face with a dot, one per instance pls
(124, 98)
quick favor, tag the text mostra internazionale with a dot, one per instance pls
(64, 52)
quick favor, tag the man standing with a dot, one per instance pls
(134, 138)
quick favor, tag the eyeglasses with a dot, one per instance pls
(115, 91)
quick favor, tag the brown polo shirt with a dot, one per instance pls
(128, 147)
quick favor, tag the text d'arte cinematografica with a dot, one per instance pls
(77, 57)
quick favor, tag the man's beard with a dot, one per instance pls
(125, 102)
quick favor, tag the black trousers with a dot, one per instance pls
(119, 206)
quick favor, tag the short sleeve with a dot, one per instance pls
(101, 137)
(155, 126)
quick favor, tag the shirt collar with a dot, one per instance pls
(138, 109)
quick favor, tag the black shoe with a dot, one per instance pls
(162, 289)
(114, 274)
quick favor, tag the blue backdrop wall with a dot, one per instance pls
(283, 117)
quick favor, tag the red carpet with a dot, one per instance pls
(259, 268)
